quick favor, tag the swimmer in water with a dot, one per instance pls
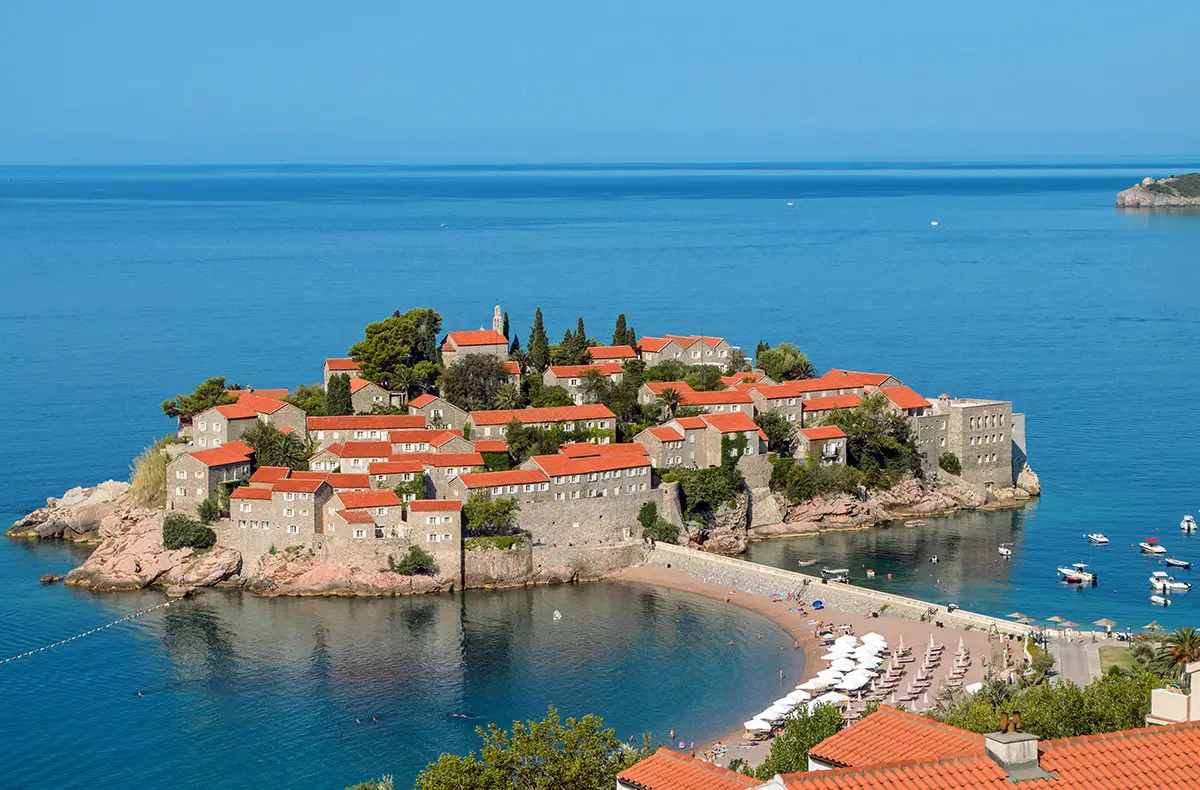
(139, 693)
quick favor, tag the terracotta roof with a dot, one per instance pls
(510, 478)
(419, 505)
(228, 453)
(356, 516)
(794, 389)
(246, 492)
(513, 367)
(857, 376)
(690, 423)
(743, 378)
(603, 353)
(666, 434)
(657, 387)
(421, 401)
(905, 397)
(595, 411)
(363, 422)
(376, 497)
(652, 344)
(237, 411)
(732, 422)
(890, 734)
(478, 337)
(396, 467)
(435, 437)
(670, 770)
(1158, 757)
(302, 486)
(341, 363)
(356, 384)
(589, 450)
(250, 405)
(832, 402)
(824, 432)
(713, 398)
(961, 773)
(363, 450)
(556, 465)
(335, 479)
(278, 393)
(269, 474)
(568, 371)
(687, 340)
(491, 446)
(440, 460)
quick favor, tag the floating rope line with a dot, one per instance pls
(95, 630)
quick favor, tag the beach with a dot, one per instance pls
(787, 615)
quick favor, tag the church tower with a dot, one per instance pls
(498, 320)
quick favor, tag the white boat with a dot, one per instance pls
(933, 558)
(1161, 582)
(1005, 549)
(1098, 538)
(1158, 600)
(1152, 546)
(1069, 575)
(1085, 576)
(1188, 524)
(836, 574)
(1185, 564)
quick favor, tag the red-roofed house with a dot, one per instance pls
(589, 450)
(441, 468)
(265, 476)
(367, 396)
(196, 476)
(377, 513)
(491, 446)
(671, 770)
(817, 409)
(651, 391)
(719, 401)
(335, 365)
(747, 377)
(438, 412)
(789, 397)
(286, 514)
(220, 424)
(391, 473)
(906, 401)
(429, 441)
(359, 427)
(351, 457)
(620, 354)
(524, 485)
(689, 349)
(338, 481)
(696, 442)
(437, 525)
(826, 443)
(596, 418)
(869, 381)
(594, 476)
(572, 377)
(664, 446)
(486, 342)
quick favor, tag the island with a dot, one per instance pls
(1173, 192)
(425, 462)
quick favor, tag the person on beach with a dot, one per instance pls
(672, 738)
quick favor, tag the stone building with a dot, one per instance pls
(595, 418)
(827, 444)
(390, 474)
(619, 354)
(438, 412)
(572, 377)
(905, 400)
(869, 382)
(222, 424)
(696, 442)
(817, 409)
(436, 525)
(338, 481)
(651, 391)
(689, 349)
(338, 365)
(980, 432)
(377, 513)
(326, 431)
(523, 485)
(289, 512)
(788, 398)
(592, 477)
(367, 396)
(718, 402)
(483, 342)
(196, 476)
(429, 441)
(353, 457)
(664, 446)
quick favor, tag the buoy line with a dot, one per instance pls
(95, 630)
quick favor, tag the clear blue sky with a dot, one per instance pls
(151, 81)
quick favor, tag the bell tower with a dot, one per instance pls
(498, 320)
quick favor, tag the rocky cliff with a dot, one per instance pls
(1174, 192)
(74, 516)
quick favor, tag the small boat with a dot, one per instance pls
(1070, 577)
(1086, 576)
(1161, 582)
(870, 573)
(1097, 538)
(933, 558)
(806, 563)
(1185, 564)
(1005, 549)
(1158, 600)
(1152, 546)
(1188, 524)
(836, 574)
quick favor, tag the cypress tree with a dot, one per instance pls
(337, 396)
(620, 332)
(580, 334)
(539, 344)
(505, 330)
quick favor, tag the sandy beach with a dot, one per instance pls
(914, 633)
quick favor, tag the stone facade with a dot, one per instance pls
(197, 476)
(523, 485)
(336, 365)
(571, 377)
(980, 432)
(689, 349)
(788, 398)
(826, 444)
(327, 431)
(223, 424)
(607, 477)
(429, 441)
(367, 396)
(438, 412)
(595, 417)
(290, 512)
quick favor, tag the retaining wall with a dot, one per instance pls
(763, 580)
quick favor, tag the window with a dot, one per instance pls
(290, 496)
(575, 494)
(332, 528)
(197, 474)
(381, 511)
(381, 478)
(559, 496)
(360, 533)
(201, 426)
(203, 442)
(199, 492)
(692, 439)
(512, 489)
(181, 475)
(497, 489)
(266, 525)
(303, 512)
(180, 491)
(293, 529)
(244, 507)
(289, 512)
(242, 523)
(320, 435)
(253, 525)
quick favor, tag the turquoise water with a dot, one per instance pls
(124, 286)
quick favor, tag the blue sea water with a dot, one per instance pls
(124, 286)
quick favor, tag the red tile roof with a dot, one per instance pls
(421, 401)
(670, 770)
(246, 492)
(595, 411)
(301, 486)
(1158, 757)
(687, 340)
(250, 405)
(362, 449)
(440, 460)
(603, 353)
(478, 337)
(652, 344)
(557, 465)
(435, 437)
(356, 516)
(742, 378)
(588, 450)
(365, 422)
(666, 434)
(396, 467)
(376, 497)
(511, 478)
(857, 376)
(905, 398)
(657, 387)
(228, 453)
(269, 474)
(722, 397)
(731, 422)
(823, 432)
(356, 384)
(491, 446)
(690, 423)
(341, 363)
(419, 505)
(237, 411)
(513, 367)
(961, 773)
(890, 735)
(569, 371)
(335, 479)
(794, 389)
(279, 393)
(832, 402)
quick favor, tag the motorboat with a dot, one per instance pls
(1159, 600)
(1174, 563)
(1188, 524)
(1097, 538)
(1070, 576)
(1161, 582)
(806, 563)
(1152, 546)
(1081, 570)
(836, 574)
(1005, 549)
(933, 558)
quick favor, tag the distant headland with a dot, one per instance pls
(1172, 192)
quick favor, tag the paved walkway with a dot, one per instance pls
(1077, 661)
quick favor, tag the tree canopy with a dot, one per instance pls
(483, 515)
(473, 382)
(337, 396)
(579, 754)
(623, 335)
(273, 447)
(573, 350)
(879, 442)
(539, 344)
(211, 392)
(803, 730)
(784, 362)
(529, 440)
(396, 343)
(781, 434)
(309, 398)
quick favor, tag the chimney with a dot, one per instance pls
(1016, 752)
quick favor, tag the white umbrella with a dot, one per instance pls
(784, 701)
(836, 674)
(844, 664)
(832, 698)
(835, 655)
(846, 639)
(776, 711)
(756, 724)
(868, 663)
(853, 682)
(864, 651)
(972, 688)
(799, 696)
(874, 637)
(816, 684)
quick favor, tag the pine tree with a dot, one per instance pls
(539, 344)
(620, 332)
(580, 334)
(337, 396)
(630, 338)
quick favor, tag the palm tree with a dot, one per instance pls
(670, 400)
(1179, 648)
(508, 397)
(521, 358)
(403, 381)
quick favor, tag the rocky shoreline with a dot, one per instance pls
(129, 554)
(1174, 192)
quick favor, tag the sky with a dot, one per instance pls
(458, 81)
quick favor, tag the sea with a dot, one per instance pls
(123, 286)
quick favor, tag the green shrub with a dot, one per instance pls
(502, 542)
(416, 561)
(181, 532)
(802, 481)
(662, 531)
(648, 514)
(950, 463)
(208, 511)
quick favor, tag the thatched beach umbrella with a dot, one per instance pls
(1024, 619)
(1104, 622)
(1054, 618)
(1015, 615)
(1068, 624)
(1152, 626)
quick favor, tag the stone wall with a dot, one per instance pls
(763, 580)
(601, 521)
(670, 508)
(498, 567)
